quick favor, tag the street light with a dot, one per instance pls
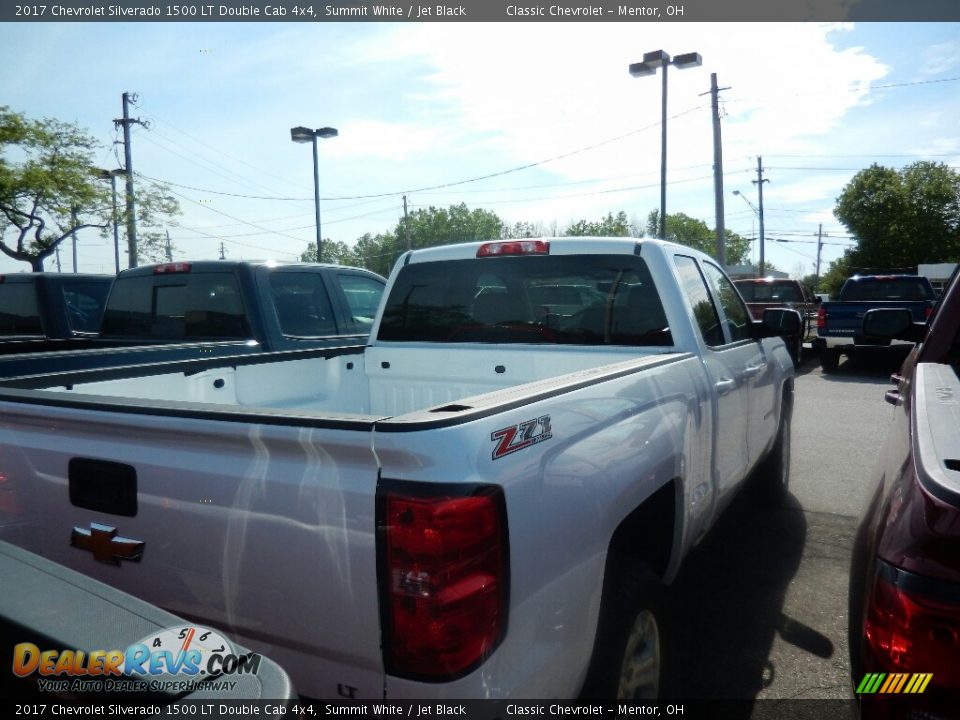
(759, 214)
(306, 135)
(111, 175)
(648, 66)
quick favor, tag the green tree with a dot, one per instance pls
(610, 226)
(49, 189)
(902, 218)
(833, 279)
(457, 224)
(697, 234)
(337, 253)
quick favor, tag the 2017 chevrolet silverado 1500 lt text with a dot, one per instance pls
(485, 501)
(45, 311)
(905, 574)
(191, 310)
(839, 321)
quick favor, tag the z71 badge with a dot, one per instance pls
(518, 437)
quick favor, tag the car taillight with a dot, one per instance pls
(927, 312)
(912, 631)
(821, 318)
(168, 268)
(443, 579)
(514, 247)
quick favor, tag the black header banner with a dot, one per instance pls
(215, 709)
(482, 11)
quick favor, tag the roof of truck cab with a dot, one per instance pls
(31, 276)
(207, 266)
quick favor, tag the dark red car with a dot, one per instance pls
(763, 293)
(905, 575)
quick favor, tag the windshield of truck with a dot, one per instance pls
(576, 299)
(769, 292)
(188, 305)
(885, 289)
(19, 312)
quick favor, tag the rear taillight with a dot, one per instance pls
(927, 312)
(910, 630)
(821, 318)
(514, 247)
(169, 268)
(443, 578)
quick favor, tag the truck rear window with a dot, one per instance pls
(576, 300)
(84, 303)
(19, 312)
(193, 306)
(884, 289)
(769, 292)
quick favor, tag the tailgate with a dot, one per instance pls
(263, 530)
(846, 318)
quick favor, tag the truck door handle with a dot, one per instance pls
(725, 387)
(749, 372)
(104, 486)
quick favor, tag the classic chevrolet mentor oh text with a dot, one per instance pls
(486, 500)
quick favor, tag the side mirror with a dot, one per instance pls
(778, 322)
(893, 324)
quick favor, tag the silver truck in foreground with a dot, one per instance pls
(485, 501)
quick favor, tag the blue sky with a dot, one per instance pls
(425, 105)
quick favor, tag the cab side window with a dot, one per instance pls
(694, 286)
(737, 315)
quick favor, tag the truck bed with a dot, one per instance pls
(375, 381)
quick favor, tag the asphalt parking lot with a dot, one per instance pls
(761, 604)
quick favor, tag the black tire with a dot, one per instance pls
(629, 651)
(829, 360)
(773, 473)
(796, 353)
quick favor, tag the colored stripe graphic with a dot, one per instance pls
(894, 683)
(869, 683)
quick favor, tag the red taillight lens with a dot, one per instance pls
(912, 632)
(445, 582)
(514, 247)
(169, 268)
(927, 313)
(821, 318)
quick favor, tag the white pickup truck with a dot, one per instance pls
(486, 501)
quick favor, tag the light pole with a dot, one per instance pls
(759, 214)
(305, 135)
(111, 175)
(648, 66)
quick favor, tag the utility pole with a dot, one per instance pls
(718, 171)
(169, 248)
(816, 281)
(406, 226)
(73, 236)
(59, 269)
(223, 251)
(759, 183)
(127, 121)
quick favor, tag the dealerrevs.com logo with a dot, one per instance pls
(177, 659)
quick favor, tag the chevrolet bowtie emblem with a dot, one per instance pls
(106, 547)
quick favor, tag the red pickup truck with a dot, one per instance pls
(905, 576)
(764, 293)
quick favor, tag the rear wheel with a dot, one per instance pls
(829, 359)
(773, 474)
(628, 657)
